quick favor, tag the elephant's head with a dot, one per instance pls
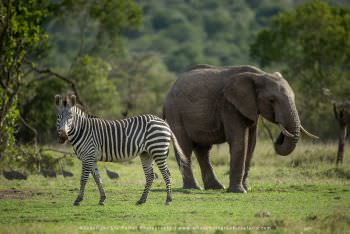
(270, 96)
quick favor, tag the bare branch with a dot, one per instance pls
(31, 128)
(48, 71)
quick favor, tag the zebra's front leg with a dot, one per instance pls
(86, 169)
(146, 161)
(96, 174)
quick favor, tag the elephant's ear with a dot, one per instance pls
(240, 91)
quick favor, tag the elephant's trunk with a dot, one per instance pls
(284, 145)
(290, 132)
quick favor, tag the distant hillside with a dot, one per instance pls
(203, 31)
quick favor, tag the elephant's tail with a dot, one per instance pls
(179, 155)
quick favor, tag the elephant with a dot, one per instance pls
(210, 105)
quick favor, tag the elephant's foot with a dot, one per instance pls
(236, 189)
(246, 185)
(213, 184)
(190, 184)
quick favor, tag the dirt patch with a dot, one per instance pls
(15, 194)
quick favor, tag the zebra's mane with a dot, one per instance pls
(80, 110)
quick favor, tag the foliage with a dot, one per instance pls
(21, 35)
(132, 76)
(312, 43)
(142, 83)
(202, 31)
(38, 109)
(29, 160)
(89, 27)
(83, 36)
(7, 139)
(91, 76)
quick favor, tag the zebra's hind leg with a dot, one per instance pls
(163, 167)
(146, 161)
(96, 174)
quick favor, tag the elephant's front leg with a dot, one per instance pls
(250, 152)
(96, 174)
(238, 150)
(86, 169)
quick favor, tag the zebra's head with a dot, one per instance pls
(64, 121)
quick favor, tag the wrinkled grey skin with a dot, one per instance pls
(211, 105)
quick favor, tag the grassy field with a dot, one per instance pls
(303, 192)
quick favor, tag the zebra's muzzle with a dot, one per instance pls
(62, 137)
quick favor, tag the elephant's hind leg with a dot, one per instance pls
(209, 179)
(189, 182)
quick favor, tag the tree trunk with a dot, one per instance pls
(341, 144)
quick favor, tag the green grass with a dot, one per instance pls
(303, 192)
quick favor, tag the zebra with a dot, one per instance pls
(95, 139)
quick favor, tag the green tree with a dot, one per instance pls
(312, 44)
(91, 76)
(92, 27)
(83, 36)
(20, 36)
(142, 82)
(202, 31)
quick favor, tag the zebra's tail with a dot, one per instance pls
(163, 113)
(179, 155)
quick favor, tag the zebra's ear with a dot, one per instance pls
(73, 100)
(278, 74)
(58, 100)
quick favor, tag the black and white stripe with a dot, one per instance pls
(95, 139)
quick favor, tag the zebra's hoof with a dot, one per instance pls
(167, 203)
(140, 202)
(76, 203)
(102, 201)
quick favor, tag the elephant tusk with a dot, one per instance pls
(285, 131)
(307, 133)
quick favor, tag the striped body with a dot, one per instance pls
(95, 139)
(120, 140)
